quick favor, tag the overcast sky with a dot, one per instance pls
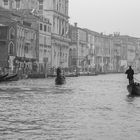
(107, 16)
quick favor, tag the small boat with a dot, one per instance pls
(60, 80)
(7, 78)
(134, 89)
(11, 77)
(3, 76)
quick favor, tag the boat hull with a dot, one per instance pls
(134, 89)
(60, 80)
(3, 76)
(10, 78)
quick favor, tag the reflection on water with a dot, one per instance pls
(85, 108)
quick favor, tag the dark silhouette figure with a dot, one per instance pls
(58, 71)
(60, 79)
(130, 73)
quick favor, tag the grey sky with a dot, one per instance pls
(107, 16)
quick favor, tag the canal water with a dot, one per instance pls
(85, 108)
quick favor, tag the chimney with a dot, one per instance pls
(75, 24)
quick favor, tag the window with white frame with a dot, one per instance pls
(41, 26)
(12, 33)
(11, 49)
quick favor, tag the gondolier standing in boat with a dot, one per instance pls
(130, 73)
(60, 78)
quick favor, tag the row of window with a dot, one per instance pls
(18, 3)
(22, 32)
(61, 6)
(45, 52)
(45, 28)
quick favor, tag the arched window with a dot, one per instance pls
(74, 52)
(11, 34)
(70, 52)
(11, 49)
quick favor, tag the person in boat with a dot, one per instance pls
(60, 78)
(130, 73)
(59, 73)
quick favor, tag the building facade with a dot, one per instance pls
(21, 42)
(20, 4)
(91, 47)
(102, 53)
(44, 45)
(79, 49)
(57, 12)
(128, 52)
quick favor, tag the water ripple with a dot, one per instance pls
(84, 108)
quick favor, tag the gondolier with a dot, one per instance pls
(60, 78)
(130, 73)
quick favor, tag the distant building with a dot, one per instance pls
(103, 48)
(57, 12)
(20, 4)
(91, 48)
(7, 46)
(128, 52)
(79, 51)
(43, 27)
(21, 44)
(44, 45)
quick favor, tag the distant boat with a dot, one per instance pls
(134, 89)
(6, 78)
(3, 76)
(60, 80)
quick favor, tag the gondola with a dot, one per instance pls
(60, 80)
(3, 76)
(7, 78)
(134, 89)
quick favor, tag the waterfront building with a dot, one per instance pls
(7, 46)
(44, 45)
(119, 53)
(126, 52)
(7, 41)
(26, 46)
(91, 48)
(72, 64)
(43, 26)
(57, 12)
(83, 50)
(79, 50)
(132, 52)
(73, 48)
(21, 43)
(103, 53)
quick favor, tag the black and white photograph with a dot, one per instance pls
(69, 70)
